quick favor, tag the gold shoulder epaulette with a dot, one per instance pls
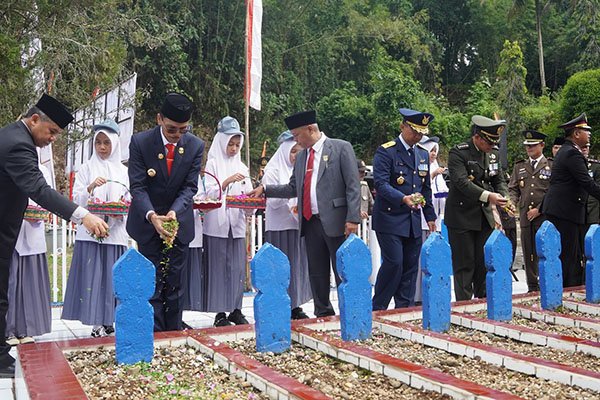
(389, 144)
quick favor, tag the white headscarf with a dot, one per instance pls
(223, 166)
(280, 163)
(438, 184)
(111, 169)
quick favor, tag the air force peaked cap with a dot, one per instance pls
(417, 120)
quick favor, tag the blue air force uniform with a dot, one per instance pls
(398, 172)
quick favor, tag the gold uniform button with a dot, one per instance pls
(532, 185)
(532, 193)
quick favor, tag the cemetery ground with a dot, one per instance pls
(475, 349)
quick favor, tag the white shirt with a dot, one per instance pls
(318, 148)
(537, 160)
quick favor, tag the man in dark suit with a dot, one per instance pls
(565, 202)
(527, 187)
(164, 165)
(476, 185)
(401, 169)
(328, 190)
(20, 179)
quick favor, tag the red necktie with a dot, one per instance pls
(170, 156)
(306, 210)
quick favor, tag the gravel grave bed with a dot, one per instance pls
(583, 333)
(561, 309)
(579, 360)
(335, 378)
(474, 370)
(174, 373)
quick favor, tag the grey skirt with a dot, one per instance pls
(29, 311)
(292, 245)
(194, 281)
(89, 296)
(226, 273)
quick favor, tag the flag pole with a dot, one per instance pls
(247, 88)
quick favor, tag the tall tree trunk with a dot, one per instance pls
(538, 25)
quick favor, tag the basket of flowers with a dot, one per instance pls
(243, 201)
(109, 208)
(35, 214)
(202, 201)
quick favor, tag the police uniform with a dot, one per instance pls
(528, 185)
(400, 171)
(468, 215)
(565, 202)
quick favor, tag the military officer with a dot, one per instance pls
(400, 173)
(565, 202)
(528, 185)
(476, 184)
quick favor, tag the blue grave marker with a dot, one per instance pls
(134, 283)
(436, 265)
(547, 244)
(592, 265)
(498, 259)
(354, 293)
(270, 271)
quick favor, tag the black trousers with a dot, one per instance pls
(320, 250)
(5, 358)
(571, 255)
(468, 264)
(167, 300)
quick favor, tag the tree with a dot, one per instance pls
(582, 94)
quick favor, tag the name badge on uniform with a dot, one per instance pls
(423, 168)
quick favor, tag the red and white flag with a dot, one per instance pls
(253, 52)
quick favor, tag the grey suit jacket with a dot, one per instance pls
(338, 187)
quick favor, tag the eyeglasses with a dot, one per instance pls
(174, 131)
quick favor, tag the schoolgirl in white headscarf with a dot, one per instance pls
(225, 228)
(281, 223)
(29, 311)
(89, 295)
(439, 188)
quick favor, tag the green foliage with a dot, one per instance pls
(582, 94)
(347, 115)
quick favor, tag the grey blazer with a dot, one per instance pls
(338, 187)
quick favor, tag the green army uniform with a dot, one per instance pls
(527, 188)
(468, 215)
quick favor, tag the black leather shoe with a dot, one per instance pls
(109, 329)
(237, 317)
(7, 372)
(221, 320)
(297, 313)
